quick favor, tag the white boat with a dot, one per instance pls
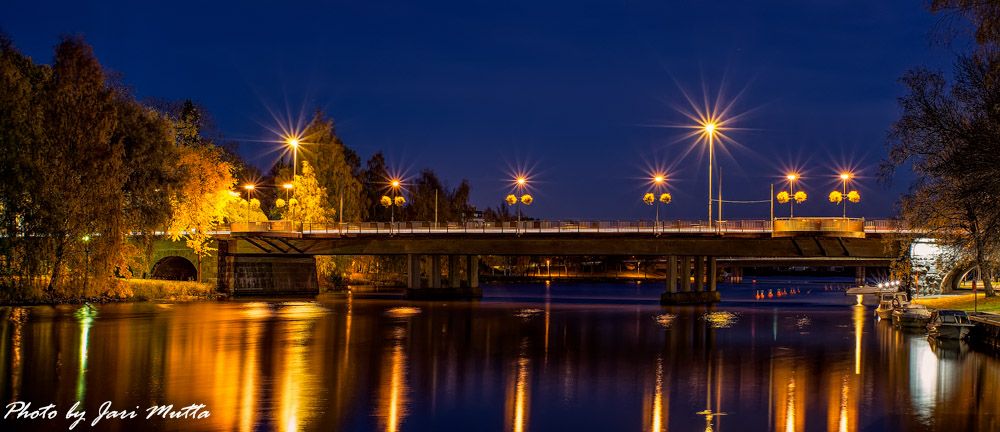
(911, 315)
(888, 302)
(949, 324)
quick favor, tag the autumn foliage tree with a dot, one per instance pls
(202, 199)
(84, 167)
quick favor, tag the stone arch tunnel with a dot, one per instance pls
(175, 268)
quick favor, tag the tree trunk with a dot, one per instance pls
(985, 271)
(54, 277)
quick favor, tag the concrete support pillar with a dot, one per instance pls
(713, 274)
(672, 274)
(859, 275)
(454, 273)
(435, 279)
(227, 266)
(699, 274)
(473, 270)
(685, 273)
(412, 271)
(688, 294)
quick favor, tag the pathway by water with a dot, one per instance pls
(532, 357)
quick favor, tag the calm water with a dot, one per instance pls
(526, 358)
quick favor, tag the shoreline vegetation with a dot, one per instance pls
(128, 290)
(94, 175)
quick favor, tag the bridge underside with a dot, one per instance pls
(261, 264)
(622, 245)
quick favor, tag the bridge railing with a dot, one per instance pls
(566, 226)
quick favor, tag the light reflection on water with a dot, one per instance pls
(537, 363)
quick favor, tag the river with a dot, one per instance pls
(528, 357)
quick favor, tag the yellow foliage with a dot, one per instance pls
(527, 199)
(783, 197)
(279, 203)
(800, 197)
(666, 198)
(853, 196)
(511, 200)
(400, 201)
(204, 198)
(309, 203)
(836, 197)
(649, 198)
(385, 201)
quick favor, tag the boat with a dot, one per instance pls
(888, 302)
(949, 324)
(911, 315)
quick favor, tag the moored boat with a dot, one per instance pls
(888, 302)
(911, 315)
(949, 324)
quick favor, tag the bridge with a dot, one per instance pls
(442, 260)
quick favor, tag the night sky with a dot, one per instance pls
(572, 91)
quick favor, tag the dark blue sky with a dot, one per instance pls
(568, 89)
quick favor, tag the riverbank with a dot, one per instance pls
(964, 302)
(131, 290)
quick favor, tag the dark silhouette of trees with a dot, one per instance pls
(89, 168)
(950, 136)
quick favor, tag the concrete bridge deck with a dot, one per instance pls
(276, 256)
(840, 227)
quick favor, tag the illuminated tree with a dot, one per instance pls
(309, 202)
(200, 203)
(836, 197)
(648, 198)
(337, 171)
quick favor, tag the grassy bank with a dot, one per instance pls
(154, 289)
(962, 302)
(120, 290)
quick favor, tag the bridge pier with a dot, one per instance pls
(672, 274)
(704, 287)
(456, 289)
(859, 275)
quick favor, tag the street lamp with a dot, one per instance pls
(394, 185)
(708, 129)
(249, 188)
(844, 178)
(293, 143)
(288, 188)
(659, 180)
(792, 177)
(520, 185)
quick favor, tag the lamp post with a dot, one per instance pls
(792, 177)
(293, 142)
(844, 178)
(249, 188)
(709, 129)
(288, 188)
(520, 186)
(651, 198)
(522, 183)
(395, 184)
